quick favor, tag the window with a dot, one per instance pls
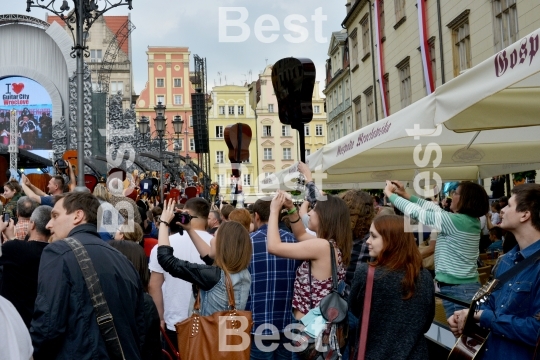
(365, 36)
(267, 174)
(370, 113)
(354, 48)
(180, 143)
(231, 110)
(317, 109)
(387, 90)
(267, 154)
(177, 83)
(405, 80)
(177, 99)
(306, 129)
(221, 179)
(270, 108)
(358, 113)
(340, 94)
(267, 130)
(219, 131)
(318, 130)
(160, 99)
(160, 82)
(240, 110)
(505, 23)
(219, 157)
(117, 87)
(461, 49)
(399, 8)
(247, 179)
(190, 120)
(285, 130)
(332, 134)
(287, 154)
(381, 18)
(191, 144)
(342, 128)
(308, 152)
(432, 57)
(95, 55)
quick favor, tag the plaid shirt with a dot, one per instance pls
(359, 255)
(21, 229)
(272, 283)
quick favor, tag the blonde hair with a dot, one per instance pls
(101, 192)
(136, 235)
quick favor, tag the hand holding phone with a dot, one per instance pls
(5, 218)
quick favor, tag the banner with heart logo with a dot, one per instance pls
(33, 107)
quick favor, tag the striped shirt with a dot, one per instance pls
(272, 283)
(456, 251)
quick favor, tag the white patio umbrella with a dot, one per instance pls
(499, 86)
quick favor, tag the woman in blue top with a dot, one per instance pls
(456, 251)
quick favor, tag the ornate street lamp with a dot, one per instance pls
(159, 123)
(84, 14)
(144, 125)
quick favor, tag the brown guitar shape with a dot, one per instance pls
(237, 138)
(473, 339)
(293, 80)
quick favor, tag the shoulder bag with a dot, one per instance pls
(334, 309)
(103, 315)
(224, 335)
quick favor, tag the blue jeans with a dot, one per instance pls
(280, 353)
(464, 292)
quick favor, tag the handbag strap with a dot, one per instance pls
(169, 342)
(103, 315)
(365, 314)
(230, 290)
(334, 266)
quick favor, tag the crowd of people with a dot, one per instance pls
(282, 259)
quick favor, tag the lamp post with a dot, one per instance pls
(159, 124)
(84, 14)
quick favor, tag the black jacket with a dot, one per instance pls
(64, 324)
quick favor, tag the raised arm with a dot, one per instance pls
(303, 250)
(28, 189)
(72, 178)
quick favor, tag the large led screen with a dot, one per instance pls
(33, 108)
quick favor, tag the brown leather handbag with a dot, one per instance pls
(224, 335)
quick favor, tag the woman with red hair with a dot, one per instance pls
(402, 303)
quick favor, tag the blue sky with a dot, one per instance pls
(197, 25)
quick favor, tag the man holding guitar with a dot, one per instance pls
(512, 312)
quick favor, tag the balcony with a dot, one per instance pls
(339, 109)
(116, 67)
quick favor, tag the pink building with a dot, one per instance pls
(169, 83)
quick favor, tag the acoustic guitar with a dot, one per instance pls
(293, 81)
(473, 339)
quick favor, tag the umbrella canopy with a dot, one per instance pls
(501, 92)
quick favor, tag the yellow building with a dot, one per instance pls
(230, 105)
(278, 145)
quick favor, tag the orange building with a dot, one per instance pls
(169, 83)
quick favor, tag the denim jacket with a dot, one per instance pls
(217, 299)
(510, 311)
(210, 280)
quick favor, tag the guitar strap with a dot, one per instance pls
(517, 269)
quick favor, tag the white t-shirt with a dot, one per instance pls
(15, 342)
(177, 292)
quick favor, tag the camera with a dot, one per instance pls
(61, 164)
(6, 218)
(183, 218)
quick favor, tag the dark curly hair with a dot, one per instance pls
(360, 206)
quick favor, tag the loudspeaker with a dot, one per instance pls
(200, 128)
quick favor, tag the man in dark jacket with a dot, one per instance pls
(64, 324)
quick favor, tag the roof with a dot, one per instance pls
(114, 23)
(27, 159)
